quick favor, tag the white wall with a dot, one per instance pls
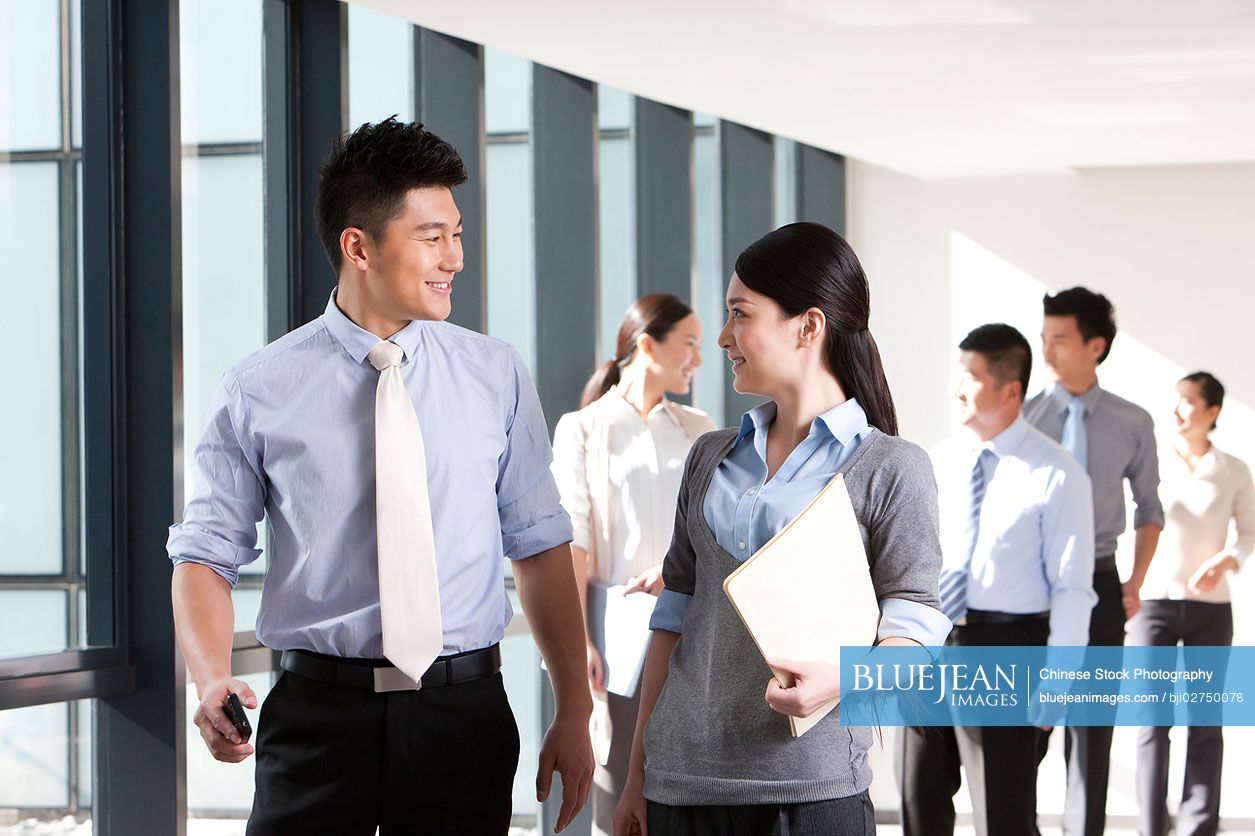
(1172, 248)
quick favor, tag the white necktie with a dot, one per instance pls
(409, 591)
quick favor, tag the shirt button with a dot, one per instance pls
(741, 545)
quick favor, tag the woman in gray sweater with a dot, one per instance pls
(713, 752)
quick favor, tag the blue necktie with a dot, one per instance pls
(1074, 439)
(953, 591)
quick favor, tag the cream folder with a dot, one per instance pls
(808, 590)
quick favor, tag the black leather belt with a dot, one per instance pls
(381, 676)
(1105, 564)
(991, 617)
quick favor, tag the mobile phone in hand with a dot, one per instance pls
(235, 713)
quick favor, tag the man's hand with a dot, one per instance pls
(1206, 577)
(648, 581)
(815, 684)
(1131, 597)
(596, 670)
(567, 751)
(216, 729)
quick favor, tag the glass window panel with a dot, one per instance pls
(82, 428)
(520, 668)
(34, 621)
(83, 741)
(703, 120)
(30, 76)
(511, 257)
(247, 601)
(220, 66)
(223, 790)
(31, 437)
(617, 278)
(507, 92)
(224, 302)
(381, 66)
(784, 182)
(708, 271)
(35, 757)
(76, 75)
(614, 107)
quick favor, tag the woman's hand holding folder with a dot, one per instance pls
(813, 686)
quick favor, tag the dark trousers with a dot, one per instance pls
(339, 760)
(850, 816)
(1165, 624)
(1001, 762)
(1087, 749)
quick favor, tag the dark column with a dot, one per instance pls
(305, 44)
(449, 88)
(821, 187)
(139, 754)
(663, 137)
(746, 160)
(563, 133)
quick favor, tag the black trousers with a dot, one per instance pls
(1087, 749)
(1000, 761)
(341, 761)
(850, 816)
(1192, 623)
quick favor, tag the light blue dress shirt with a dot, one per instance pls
(291, 432)
(744, 510)
(1034, 549)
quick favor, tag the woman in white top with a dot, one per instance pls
(618, 464)
(1185, 598)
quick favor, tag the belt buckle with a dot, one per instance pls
(394, 679)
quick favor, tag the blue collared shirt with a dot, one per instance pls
(1035, 546)
(1121, 445)
(291, 432)
(744, 510)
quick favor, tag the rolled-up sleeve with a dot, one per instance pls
(1143, 475)
(900, 618)
(570, 471)
(679, 566)
(528, 503)
(905, 550)
(219, 527)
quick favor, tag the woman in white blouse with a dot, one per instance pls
(618, 464)
(1185, 598)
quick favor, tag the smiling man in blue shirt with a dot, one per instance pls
(347, 742)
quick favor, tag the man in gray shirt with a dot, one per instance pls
(1113, 440)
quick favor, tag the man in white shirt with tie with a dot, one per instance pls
(1113, 440)
(1017, 540)
(398, 458)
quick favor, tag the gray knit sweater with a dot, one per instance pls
(712, 738)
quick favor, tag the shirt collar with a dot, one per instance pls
(1008, 440)
(1062, 397)
(843, 422)
(358, 342)
(621, 402)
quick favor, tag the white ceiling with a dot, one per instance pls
(931, 88)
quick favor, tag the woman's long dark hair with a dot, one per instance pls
(655, 315)
(807, 265)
